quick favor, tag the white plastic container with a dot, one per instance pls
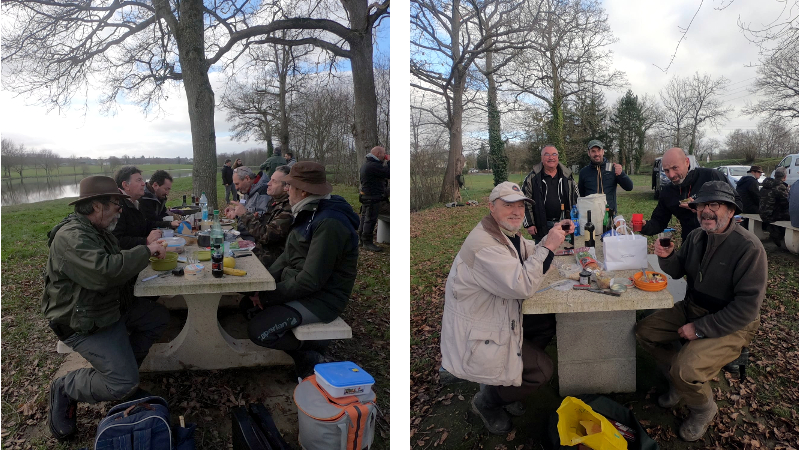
(340, 379)
(175, 244)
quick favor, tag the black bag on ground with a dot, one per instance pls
(612, 411)
(142, 424)
(254, 429)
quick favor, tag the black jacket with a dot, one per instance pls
(533, 187)
(373, 176)
(587, 182)
(747, 187)
(670, 197)
(227, 175)
(153, 209)
(133, 227)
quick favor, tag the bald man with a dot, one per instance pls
(686, 182)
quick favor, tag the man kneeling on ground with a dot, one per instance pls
(726, 273)
(482, 340)
(316, 272)
(88, 299)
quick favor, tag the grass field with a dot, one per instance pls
(762, 412)
(62, 171)
(29, 360)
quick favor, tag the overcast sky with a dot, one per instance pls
(128, 132)
(648, 32)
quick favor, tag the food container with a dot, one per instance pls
(650, 286)
(584, 276)
(175, 244)
(340, 379)
(204, 239)
(603, 280)
(169, 262)
(193, 269)
(203, 255)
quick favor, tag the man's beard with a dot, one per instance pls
(113, 223)
(710, 215)
(508, 226)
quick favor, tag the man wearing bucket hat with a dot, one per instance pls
(316, 272)
(596, 178)
(726, 273)
(88, 300)
(482, 340)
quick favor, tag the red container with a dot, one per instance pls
(637, 221)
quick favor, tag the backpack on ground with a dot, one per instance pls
(142, 424)
(331, 423)
(254, 429)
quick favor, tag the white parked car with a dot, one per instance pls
(790, 163)
(735, 173)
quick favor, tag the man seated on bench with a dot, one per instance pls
(774, 205)
(88, 299)
(316, 272)
(726, 274)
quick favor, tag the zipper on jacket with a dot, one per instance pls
(513, 322)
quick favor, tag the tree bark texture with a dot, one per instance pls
(496, 145)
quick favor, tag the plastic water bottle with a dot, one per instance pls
(575, 216)
(217, 243)
(204, 206)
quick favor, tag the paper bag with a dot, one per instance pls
(625, 252)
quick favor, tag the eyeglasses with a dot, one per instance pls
(713, 206)
(550, 155)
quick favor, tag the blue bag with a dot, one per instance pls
(141, 424)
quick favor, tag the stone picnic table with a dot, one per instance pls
(203, 343)
(596, 344)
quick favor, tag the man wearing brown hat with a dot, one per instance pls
(747, 187)
(484, 336)
(88, 299)
(315, 273)
(726, 273)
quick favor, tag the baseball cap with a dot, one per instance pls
(508, 192)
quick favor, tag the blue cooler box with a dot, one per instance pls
(340, 379)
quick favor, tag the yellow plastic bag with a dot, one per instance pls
(576, 417)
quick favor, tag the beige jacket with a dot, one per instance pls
(481, 324)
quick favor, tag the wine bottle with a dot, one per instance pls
(589, 227)
(606, 220)
(564, 225)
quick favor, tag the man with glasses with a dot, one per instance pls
(88, 300)
(747, 188)
(726, 274)
(550, 185)
(674, 198)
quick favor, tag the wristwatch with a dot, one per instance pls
(699, 334)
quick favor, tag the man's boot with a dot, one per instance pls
(516, 409)
(670, 398)
(700, 417)
(305, 360)
(369, 245)
(62, 414)
(491, 412)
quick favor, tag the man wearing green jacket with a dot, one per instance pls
(316, 272)
(272, 163)
(88, 300)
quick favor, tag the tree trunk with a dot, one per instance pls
(450, 184)
(496, 145)
(365, 99)
(284, 117)
(200, 99)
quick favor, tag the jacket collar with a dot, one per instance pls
(493, 229)
(539, 168)
(600, 164)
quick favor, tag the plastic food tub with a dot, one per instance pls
(175, 244)
(169, 262)
(340, 379)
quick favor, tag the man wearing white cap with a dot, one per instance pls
(484, 338)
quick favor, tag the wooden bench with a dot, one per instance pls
(338, 329)
(790, 236)
(383, 228)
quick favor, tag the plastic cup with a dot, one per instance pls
(637, 220)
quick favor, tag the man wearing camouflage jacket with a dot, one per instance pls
(774, 204)
(269, 230)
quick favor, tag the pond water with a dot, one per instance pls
(38, 189)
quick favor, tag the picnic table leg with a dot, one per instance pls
(790, 239)
(204, 344)
(755, 228)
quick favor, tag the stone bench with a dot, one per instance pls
(337, 329)
(383, 229)
(790, 236)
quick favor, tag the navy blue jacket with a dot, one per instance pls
(747, 187)
(587, 182)
(373, 176)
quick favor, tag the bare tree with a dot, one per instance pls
(691, 103)
(777, 84)
(569, 55)
(55, 49)
(8, 152)
(444, 44)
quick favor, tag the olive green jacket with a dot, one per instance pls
(87, 276)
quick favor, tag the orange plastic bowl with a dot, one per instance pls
(647, 286)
